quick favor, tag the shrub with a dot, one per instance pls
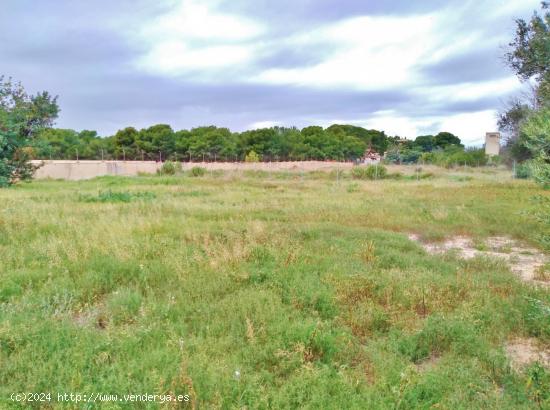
(358, 172)
(541, 172)
(495, 160)
(536, 138)
(536, 314)
(170, 168)
(376, 172)
(410, 156)
(523, 171)
(370, 172)
(252, 156)
(454, 155)
(198, 171)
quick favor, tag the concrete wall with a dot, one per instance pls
(77, 170)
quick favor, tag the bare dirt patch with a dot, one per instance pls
(523, 352)
(526, 262)
(93, 316)
(428, 364)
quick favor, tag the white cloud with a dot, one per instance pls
(469, 127)
(392, 122)
(199, 20)
(173, 57)
(369, 53)
(197, 41)
(471, 91)
(193, 36)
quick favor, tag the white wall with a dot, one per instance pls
(77, 170)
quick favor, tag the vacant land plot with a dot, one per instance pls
(275, 290)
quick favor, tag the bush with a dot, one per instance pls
(376, 172)
(371, 172)
(410, 156)
(541, 172)
(454, 155)
(170, 168)
(198, 171)
(495, 160)
(523, 171)
(252, 156)
(359, 172)
(535, 134)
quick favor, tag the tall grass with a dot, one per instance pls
(268, 292)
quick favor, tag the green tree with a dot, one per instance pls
(157, 141)
(529, 57)
(182, 141)
(126, 143)
(57, 143)
(529, 54)
(444, 139)
(535, 134)
(375, 139)
(258, 141)
(426, 143)
(322, 145)
(22, 117)
(211, 143)
(509, 124)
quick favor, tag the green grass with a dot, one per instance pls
(268, 290)
(110, 196)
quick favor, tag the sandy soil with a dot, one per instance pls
(524, 351)
(526, 262)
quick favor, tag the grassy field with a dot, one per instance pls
(268, 290)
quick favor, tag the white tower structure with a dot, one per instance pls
(492, 143)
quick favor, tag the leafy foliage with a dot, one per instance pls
(527, 124)
(455, 156)
(170, 168)
(523, 171)
(21, 118)
(252, 157)
(536, 138)
(529, 55)
(197, 171)
(370, 172)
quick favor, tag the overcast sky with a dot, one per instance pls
(406, 67)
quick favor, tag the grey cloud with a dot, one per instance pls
(292, 57)
(147, 100)
(473, 66)
(79, 50)
(287, 12)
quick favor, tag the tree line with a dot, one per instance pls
(26, 133)
(211, 143)
(160, 142)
